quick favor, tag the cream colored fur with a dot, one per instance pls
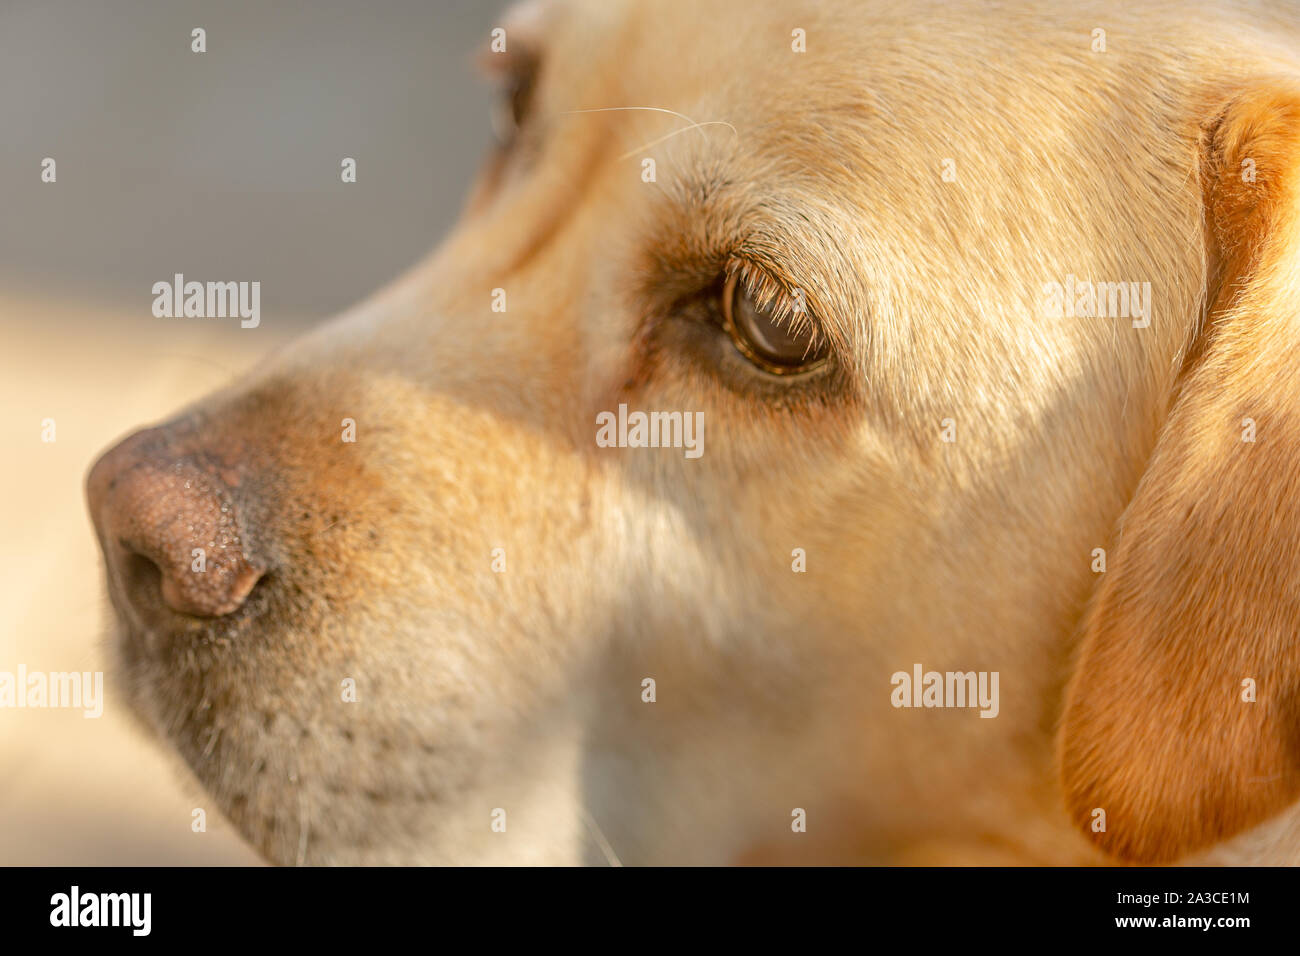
(475, 430)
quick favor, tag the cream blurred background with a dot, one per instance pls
(222, 165)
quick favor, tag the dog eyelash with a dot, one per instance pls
(774, 298)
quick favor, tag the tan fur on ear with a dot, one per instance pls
(1203, 590)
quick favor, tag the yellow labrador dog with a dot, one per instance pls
(851, 431)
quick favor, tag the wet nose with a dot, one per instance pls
(178, 513)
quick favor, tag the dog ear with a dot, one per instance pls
(1182, 718)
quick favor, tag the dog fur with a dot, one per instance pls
(817, 171)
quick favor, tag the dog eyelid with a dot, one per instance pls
(515, 74)
(784, 306)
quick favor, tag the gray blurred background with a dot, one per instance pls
(225, 164)
(222, 165)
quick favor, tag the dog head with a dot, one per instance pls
(758, 371)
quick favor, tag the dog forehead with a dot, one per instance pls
(861, 142)
(846, 94)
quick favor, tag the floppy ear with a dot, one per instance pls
(1203, 590)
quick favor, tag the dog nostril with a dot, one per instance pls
(170, 527)
(142, 576)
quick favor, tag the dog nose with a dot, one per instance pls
(179, 514)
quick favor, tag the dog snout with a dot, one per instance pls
(178, 513)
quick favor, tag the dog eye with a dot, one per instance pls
(513, 102)
(768, 335)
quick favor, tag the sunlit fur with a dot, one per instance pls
(475, 430)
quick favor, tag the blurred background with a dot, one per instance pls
(222, 165)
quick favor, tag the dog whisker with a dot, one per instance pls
(598, 835)
(655, 109)
(303, 827)
(206, 360)
(655, 142)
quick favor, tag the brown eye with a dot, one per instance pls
(776, 344)
(515, 99)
